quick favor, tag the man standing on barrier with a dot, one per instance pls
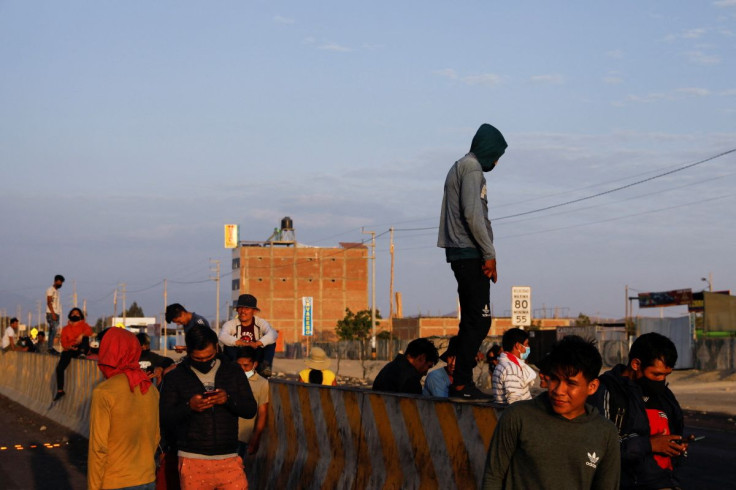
(466, 235)
(53, 310)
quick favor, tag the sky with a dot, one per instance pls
(131, 132)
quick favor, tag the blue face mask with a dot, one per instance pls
(526, 353)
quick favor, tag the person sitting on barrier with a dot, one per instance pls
(317, 371)
(513, 378)
(250, 330)
(404, 374)
(556, 440)
(75, 343)
(201, 401)
(10, 336)
(438, 381)
(176, 313)
(124, 423)
(153, 364)
(649, 419)
(41, 346)
(250, 430)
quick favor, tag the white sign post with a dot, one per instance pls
(521, 306)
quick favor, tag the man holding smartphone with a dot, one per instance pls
(635, 397)
(201, 402)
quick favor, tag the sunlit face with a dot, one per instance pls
(247, 364)
(203, 355)
(568, 394)
(246, 314)
(450, 365)
(656, 372)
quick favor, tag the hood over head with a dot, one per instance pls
(488, 145)
(119, 354)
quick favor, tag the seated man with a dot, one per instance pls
(250, 330)
(438, 381)
(153, 364)
(176, 313)
(646, 413)
(512, 378)
(556, 441)
(10, 337)
(404, 374)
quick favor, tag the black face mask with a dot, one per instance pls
(75, 318)
(652, 388)
(203, 367)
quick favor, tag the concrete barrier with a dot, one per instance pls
(30, 379)
(345, 438)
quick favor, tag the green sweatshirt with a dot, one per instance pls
(533, 447)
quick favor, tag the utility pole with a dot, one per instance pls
(217, 296)
(38, 311)
(84, 307)
(391, 293)
(74, 293)
(124, 312)
(373, 291)
(163, 320)
(115, 302)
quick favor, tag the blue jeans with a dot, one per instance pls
(52, 330)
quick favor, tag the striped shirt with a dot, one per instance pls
(512, 380)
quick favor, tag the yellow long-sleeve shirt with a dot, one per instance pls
(123, 435)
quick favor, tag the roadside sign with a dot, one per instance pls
(307, 327)
(521, 306)
(231, 236)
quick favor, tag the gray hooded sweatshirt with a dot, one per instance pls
(465, 230)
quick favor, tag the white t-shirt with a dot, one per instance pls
(9, 332)
(55, 301)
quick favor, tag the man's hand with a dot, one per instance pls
(219, 398)
(55, 316)
(245, 343)
(489, 269)
(157, 374)
(253, 444)
(198, 403)
(665, 444)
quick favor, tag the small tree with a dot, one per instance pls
(134, 311)
(355, 326)
(583, 321)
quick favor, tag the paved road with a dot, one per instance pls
(64, 465)
(61, 464)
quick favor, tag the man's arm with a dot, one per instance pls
(269, 335)
(501, 451)
(227, 335)
(434, 386)
(99, 430)
(173, 409)
(255, 438)
(240, 400)
(50, 304)
(472, 209)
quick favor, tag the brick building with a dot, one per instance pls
(280, 272)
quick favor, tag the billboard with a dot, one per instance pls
(231, 236)
(697, 305)
(307, 326)
(666, 298)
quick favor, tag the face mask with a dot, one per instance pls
(250, 373)
(526, 353)
(652, 388)
(203, 367)
(75, 318)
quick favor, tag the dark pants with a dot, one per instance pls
(264, 355)
(66, 358)
(474, 290)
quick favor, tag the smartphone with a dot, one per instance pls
(689, 439)
(208, 394)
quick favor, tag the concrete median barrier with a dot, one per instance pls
(348, 438)
(30, 379)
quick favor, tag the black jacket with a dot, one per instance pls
(399, 376)
(620, 399)
(214, 431)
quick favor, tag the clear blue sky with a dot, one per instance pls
(130, 132)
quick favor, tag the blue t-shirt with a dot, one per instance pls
(437, 384)
(196, 320)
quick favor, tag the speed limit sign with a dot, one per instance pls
(521, 306)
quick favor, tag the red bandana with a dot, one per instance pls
(119, 354)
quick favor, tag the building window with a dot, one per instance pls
(236, 263)
(236, 284)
